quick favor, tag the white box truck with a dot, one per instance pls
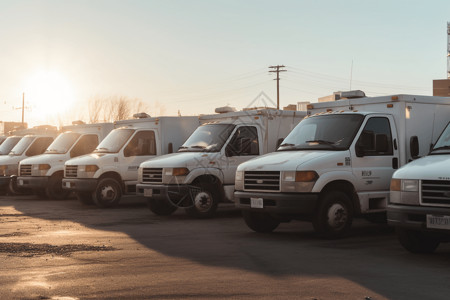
(29, 145)
(338, 162)
(419, 206)
(43, 173)
(8, 144)
(201, 173)
(110, 171)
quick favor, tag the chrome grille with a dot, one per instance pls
(262, 180)
(436, 192)
(152, 175)
(25, 170)
(71, 171)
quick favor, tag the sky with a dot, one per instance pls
(191, 56)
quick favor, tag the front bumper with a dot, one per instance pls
(177, 194)
(37, 182)
(414, 217)
(80, 185)
(279, 203)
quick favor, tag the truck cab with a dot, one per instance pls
(419, 206)
(201, 174)
(110, 171)
(44, 173)
(338, 162)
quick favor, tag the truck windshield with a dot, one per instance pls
(114, 141)
(326, 132)
(442, 145)
(8, 144)
(207, 138)
(22, 145)
(62, 143)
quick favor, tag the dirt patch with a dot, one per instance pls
(14, 234)
(30, 250)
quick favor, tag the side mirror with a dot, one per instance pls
(381, 143)
(414, 147)
(170, 148)
(280, 140)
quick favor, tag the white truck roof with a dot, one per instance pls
(230, 117)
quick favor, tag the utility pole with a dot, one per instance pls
(23, 107)
(277, 69)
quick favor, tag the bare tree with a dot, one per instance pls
(114, 108)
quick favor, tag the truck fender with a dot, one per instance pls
(204, 171)
(328, 177)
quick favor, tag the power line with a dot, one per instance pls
(277, 69)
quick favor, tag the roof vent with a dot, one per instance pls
(225, 109)
(141, 115)
(349, 94)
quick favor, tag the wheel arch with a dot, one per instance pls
(113, 175)
(345, 187)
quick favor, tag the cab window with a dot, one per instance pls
(142, 143)
(376, 138)
(86, 144)
(244, 142)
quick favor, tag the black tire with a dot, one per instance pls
(85, 198)
(334, 216)
(416, 241)
(205, 199)
(13, 189)
(260, 221)
(108, 193)
(54, 189)
(161, 207)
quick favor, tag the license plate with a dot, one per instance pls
(68, 184)
(438, 222)
(256, 202)
(148, 192)
(21, 182)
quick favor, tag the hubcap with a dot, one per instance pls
(203, 201)
(108, 193)
(337, 216)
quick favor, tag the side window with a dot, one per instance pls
(244, 142)
(85, 145)
(142, 143)
(39, 145)
(376, 138)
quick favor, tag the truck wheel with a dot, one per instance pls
(161, 207)
(13, 189)
(84, 198)
(260, 221)
(54, 188)
(107, 193)
(334, 217)
(416, 241)
(205, 199)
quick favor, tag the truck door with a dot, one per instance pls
(140, 148)
(243, 145)
(374, 158)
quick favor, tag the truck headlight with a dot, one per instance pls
(3, 170)
(404, 191)
(298, 181)
(87, 171)
(41, 170)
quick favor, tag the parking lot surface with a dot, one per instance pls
(64, 250)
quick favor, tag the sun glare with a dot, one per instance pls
(48, 93)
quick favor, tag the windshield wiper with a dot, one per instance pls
(287, 145)
(198, 147)
(322, 142)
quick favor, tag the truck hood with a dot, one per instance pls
(432, 167)
(10, 159)
(284, 160)
(93, 159)
(44, 159)
(182, 159)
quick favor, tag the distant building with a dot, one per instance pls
(441, 87)
(302, 106)
(7, 127)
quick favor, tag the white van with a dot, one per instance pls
(110, 171)
(44, 173)
(8, 144)
(338, 162)
(419, 206)
(29, 145)
(201, 173)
